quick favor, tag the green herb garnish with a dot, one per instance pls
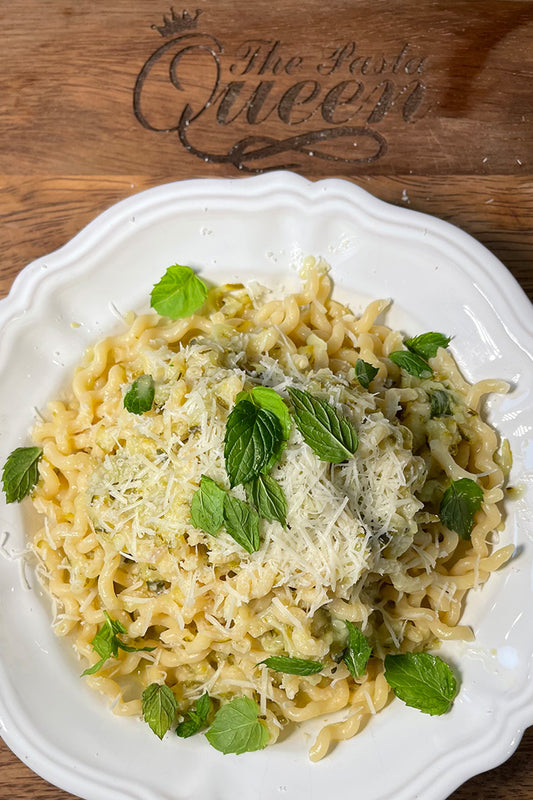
(459, 504)
(207, 506)
(331, 436)
(106, 643)
(411, 363)
(293, 666)
(253, 436)
(422, 681)
(237, 729)
(267, 398)
(365, 372)
(268, 498)
(427, 344)
(440, 404)
(264, 397)
(195, 720)
(358, 651)
(159, 707)
(21, 473)
(179, 293)
(242, 523)
(140, 395)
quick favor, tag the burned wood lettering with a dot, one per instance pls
(331, 102)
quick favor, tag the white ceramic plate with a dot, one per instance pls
(440, 279)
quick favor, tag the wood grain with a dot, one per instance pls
(67, 87)
(446, 87)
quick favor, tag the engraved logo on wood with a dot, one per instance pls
(327, 107)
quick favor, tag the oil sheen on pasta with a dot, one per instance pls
(363, 541)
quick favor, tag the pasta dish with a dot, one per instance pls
(259, 486)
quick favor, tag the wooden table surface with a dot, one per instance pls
(425, 104)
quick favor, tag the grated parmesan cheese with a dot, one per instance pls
(139, 497)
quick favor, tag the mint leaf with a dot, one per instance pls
(440, 404)
(268, 498)
(21, 473)
(422, 681)
(140, 396)
(365, 372)
(293, 666)
(267, 398)
(237, 729)
(264, 397)
(207, 506)
(242, 523)
(179, 293)
(331, 436)
(195, 720)
(159, 707)
(203, 705)
(106, 643)
(358, 651)
(427, 344)
(190, 726)
(411, 363)
(94, 668)
(459, 504)
(253, 435)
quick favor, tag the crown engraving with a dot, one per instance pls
(176, 23)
